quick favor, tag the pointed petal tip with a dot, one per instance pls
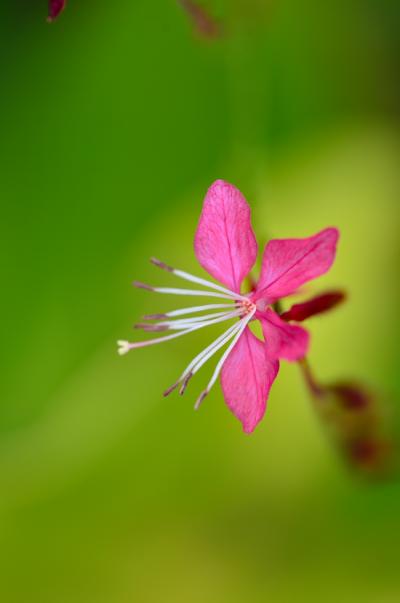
(333, 230)
(249, 427)
(330, 234)
(219, 182)
(223, 188)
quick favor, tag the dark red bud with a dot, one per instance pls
(360, 427)
(55, 8)
(352, 397)
(356, 419)
(316, 305)
(364, 452)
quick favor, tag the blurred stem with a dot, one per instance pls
(248, 99)
(314, 387)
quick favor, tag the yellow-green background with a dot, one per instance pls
(114, 121)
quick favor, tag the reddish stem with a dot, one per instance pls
(315, 388)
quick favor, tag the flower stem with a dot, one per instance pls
(314, 387)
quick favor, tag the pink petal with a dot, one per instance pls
(246, 378)
(282, 339)
(315, 305)
(224, 242)
(289, 263)
(55, 8)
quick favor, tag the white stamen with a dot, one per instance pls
(195, 309)
(207, 353)
(125, 346)
(128, 345)
(205, 320)
(193, 363)
(217, 345)
(173, 291)
(195, 279)
(224, 356)
(197, 318)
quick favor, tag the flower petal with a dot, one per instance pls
(282, 339)
(246, 378)
(315, 305)
(224, 242)
(289, 263)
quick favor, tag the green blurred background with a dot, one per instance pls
(114, 121)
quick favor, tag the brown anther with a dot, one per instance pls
(141, 285)
(161, 265)
(200, 399)
(170, 389)
(149, 327)
(185, 383)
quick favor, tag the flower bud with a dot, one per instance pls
(362, 430)
(357, 423)
(316, 305)
(55, 8)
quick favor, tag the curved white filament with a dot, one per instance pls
(224, 337)
(174, 291)
(224, 356)
(195, 309)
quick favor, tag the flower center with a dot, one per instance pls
(235, 306)
(262, 304)
(246, 306)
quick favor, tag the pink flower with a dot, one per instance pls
(226, 248)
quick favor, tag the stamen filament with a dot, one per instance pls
(224, 356)
(196, 318)
(195, 279)
(173, 291)
(205, 317)
(216, 347)
(205, 355)
(186, 323)
(183, 311)
(125, 346)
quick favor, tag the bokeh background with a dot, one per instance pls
(114, 121)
